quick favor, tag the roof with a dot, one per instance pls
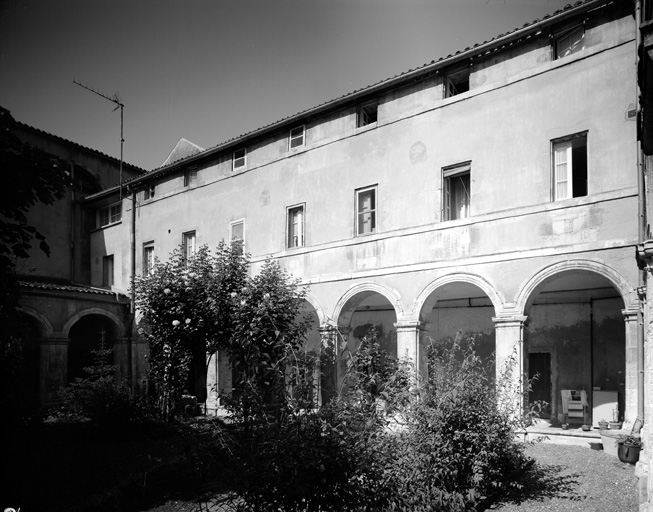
(84, 148)
(182, 150)
(77, 288)
(477, 50)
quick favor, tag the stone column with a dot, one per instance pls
(410, 345)
(512, 353)
(54, 367)
(630, 390)
(328, 363)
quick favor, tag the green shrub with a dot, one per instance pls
(99, 397)
(459, 450)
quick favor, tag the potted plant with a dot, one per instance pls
(629, 449)
(603, 425)
(615, 424)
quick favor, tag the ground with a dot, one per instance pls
(76, 468)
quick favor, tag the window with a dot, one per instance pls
(188, 245)
(456, 83)
(296, 226)
(110, 215)
(570, 167)
(148, 258)
(237, 232)
(190, 177)
(148, 193)
(456, 191)
(367, 114)
(569, 42)
(366, 211)
(107, 271)
(296, 137)
(239, 158)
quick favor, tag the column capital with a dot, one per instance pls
(57, 340)
(509, 320)
(630, 315)
(407, 325)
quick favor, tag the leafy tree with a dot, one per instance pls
(31, 176)
(187, 311)
(268, 331)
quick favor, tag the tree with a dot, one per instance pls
(187, 314)
(268, 330)
(31, 176)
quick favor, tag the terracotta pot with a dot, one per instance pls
(629, 453)
(615, 425)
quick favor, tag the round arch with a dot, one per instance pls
(46, 326)
(120, 331)
(348, 303)
(426, 299)
(312, 300)
(527, 290)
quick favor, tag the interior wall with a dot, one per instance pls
(461, 320)
(567, 331)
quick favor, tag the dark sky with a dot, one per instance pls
(210, 70)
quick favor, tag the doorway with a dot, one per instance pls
(539, 375)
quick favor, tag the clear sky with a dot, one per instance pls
(210, 70)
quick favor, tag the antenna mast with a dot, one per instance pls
(120, 106)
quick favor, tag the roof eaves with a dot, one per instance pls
(419, 72)
(75, 144)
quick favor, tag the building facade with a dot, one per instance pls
(491, 194)
(61, 313)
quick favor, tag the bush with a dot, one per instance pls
(455, 449)
(99, 397)
(459, 451)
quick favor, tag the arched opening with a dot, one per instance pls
(85, 337)
(575, 337)
(220, 373)
(460, 311)
(362, 312)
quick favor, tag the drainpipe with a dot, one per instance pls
(132, 278)
(72, 224)
(641, 212)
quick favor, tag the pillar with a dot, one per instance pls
(410, 346)
(630, 392)
(328, 363)
(511, 362)
(54, 368)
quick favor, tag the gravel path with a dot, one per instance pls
(577, 479)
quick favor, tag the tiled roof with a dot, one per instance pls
(67, 288)
(90, 150)
(471, 51)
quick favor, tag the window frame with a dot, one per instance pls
(450, 83)
(290, 233)
(235, 159)
(185, 238)
(148, 192)
(569, 143)
(147, 265)
(358, 193)
(231, 230)
(362, 114)
(292, 138)
(111, 218)
(108, 271)
(567, 33)
(190, 178)
(448, 173)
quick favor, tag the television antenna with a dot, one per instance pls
(119, 105)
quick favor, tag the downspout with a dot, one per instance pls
(641, 212)
(132, 279)
(72, 224)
